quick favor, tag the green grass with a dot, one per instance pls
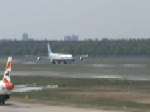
(85, 92)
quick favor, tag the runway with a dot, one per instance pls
(15, 106)
(80, 75)
(112, 71)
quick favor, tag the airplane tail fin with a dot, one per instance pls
(7, 72)
(49, 50)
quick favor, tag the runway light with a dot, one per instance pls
(103, 88)
(26, 97)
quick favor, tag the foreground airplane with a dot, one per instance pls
(6, 86)
(59, 57)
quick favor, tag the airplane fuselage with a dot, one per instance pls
(5, 87)
(61, 56)
(58, 57)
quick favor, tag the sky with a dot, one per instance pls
(54, 19)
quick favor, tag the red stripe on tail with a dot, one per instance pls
(9, 65)
(8, 84)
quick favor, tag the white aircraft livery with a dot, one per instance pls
(60, 57)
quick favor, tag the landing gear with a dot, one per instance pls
(53, 62)
(65, 62)
(3, 98)
(59, 62)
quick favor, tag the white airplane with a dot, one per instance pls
(59, 57)
(6, 86)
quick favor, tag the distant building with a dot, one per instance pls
(71, 38)
(25, 37)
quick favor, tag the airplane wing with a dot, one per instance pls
(20, 89)
(37, 57)
(81, 56)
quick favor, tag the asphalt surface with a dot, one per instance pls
(15, 106)
(80, 75)
(65, 74)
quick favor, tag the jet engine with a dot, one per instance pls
(81, 58)
(38, 58)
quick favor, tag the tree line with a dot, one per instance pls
(105, 47)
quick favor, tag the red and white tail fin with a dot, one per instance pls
(7, 72)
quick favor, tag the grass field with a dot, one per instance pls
(117, 94)
(120, 94)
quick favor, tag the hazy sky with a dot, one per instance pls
(53, 19)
